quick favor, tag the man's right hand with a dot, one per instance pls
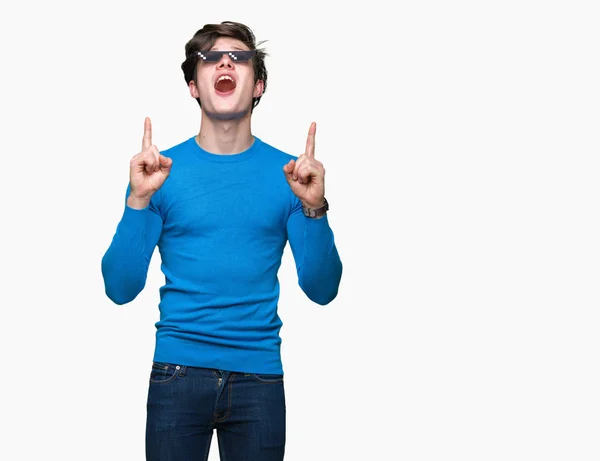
(148, 171)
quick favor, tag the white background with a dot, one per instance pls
(460, 141)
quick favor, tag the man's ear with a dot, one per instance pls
(193, 90)
(258, 89)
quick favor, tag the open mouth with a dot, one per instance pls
(225, 84)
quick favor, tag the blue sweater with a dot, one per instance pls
(221, 223)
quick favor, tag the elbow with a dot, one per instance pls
(119, 288)
(321, 292)
(323, 289)
(323, 298)
(119, 294)
(119, 298)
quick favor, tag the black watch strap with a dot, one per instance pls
(316, 212)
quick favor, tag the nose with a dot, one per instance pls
(225, 62)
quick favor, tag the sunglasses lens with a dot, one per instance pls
(241, 56)
(209, 56)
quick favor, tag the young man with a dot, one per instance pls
(221, 206)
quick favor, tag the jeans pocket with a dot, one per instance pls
(163, 372)
(267, 378)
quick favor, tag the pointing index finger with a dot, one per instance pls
(310, 140)
(147, 139)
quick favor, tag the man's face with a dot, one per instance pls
(224, 84)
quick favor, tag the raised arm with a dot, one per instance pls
(311, 239)
(125, 263)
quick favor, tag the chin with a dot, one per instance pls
(227, 114)
(227, 111)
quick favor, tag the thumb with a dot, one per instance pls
(165, 163)
(288, 169)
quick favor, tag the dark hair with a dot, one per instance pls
(205, 38)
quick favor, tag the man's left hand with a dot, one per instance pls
(306, 175)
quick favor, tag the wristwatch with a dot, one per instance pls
(316, 212)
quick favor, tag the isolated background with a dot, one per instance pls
(460, 141)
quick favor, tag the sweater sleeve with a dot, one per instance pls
(318, 263)
(126, 261)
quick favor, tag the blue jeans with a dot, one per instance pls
(185, 404)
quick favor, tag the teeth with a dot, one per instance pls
(224, 77)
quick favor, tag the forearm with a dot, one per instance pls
(125, 263)
(320, 267)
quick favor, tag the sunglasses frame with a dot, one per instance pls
(234, 55)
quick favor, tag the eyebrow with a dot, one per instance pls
(233, 47)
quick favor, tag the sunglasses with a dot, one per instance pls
(236, 56)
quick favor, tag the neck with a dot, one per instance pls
(225, 135)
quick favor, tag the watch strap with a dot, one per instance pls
(316, 212)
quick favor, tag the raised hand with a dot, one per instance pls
(306, 175)
(148, 171)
